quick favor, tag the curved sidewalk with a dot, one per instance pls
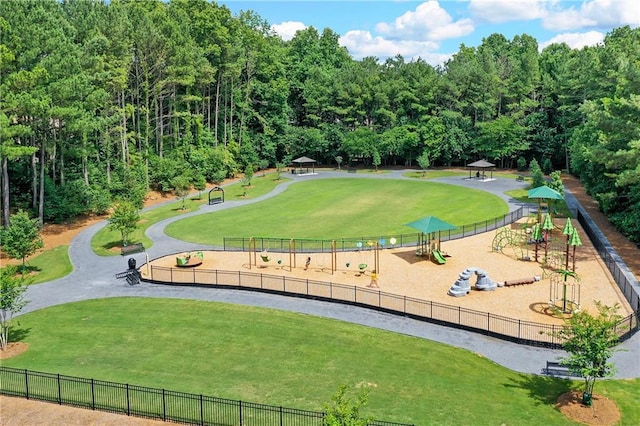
(93, 278)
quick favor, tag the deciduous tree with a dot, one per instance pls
(12, 289)
(22, 238)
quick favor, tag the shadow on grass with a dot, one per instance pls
(18, 334)
(542, 389)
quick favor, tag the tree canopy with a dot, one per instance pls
(108, 99)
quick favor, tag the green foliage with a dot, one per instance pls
(556, 182)
(248, 175)
(338, 159)
(124, 219)
(423, 161)
(200, 184)
(344, 410)
(522, 164)
(12, 289)
(181, 185)
(590, 341)
(22, 238)
(547, 166)
(68, 201)
(537, 177)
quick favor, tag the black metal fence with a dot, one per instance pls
(350, 243)
(621, 274)
(519, 331)
(153, 403)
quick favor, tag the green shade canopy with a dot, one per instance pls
(547, 225)
(568, 228)
(545, 192)
(575, 240)
(431, 224)
(535, 232)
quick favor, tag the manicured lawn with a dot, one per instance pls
(335, 208)
(51, 264)
(289, 359)
(105, 240)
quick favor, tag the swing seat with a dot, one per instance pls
(362, 266)
(265, 257)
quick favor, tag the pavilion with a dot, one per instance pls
(302, 166)
(480, 167)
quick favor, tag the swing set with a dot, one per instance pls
(266, 257)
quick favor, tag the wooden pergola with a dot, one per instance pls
(480, 168)
(302, 165)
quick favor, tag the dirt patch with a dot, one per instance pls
(13, 349)
(26, 412)
(602, 412)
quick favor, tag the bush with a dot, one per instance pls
(547, 166)
(522, 164)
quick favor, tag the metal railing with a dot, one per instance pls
(350, 243)
(153, 403)
(621, 274)
(515, 330)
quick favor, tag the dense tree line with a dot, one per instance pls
(102, 100)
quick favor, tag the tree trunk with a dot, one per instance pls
(5, 192)
(217, 109)
(41, 195)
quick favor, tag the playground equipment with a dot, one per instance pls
(266, 255)
(189, 259)
(520, 281)
(564, 295)
(462, 287)
(511, 238)
(427, 243)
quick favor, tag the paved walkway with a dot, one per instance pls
(93, 278)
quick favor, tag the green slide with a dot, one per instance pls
(438, 257)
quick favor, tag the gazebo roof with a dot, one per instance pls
(304, 160)
(481, 164)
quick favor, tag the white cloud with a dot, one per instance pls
(287, 30)
(497, 11)
(427, 22)
(595, 14)
(362, 44)
(575, 40)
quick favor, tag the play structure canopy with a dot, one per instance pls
(481, 165)
(302, 163)
(430, 224)
(545, 192)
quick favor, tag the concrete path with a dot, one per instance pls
(93, 278)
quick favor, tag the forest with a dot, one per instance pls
(102, 100)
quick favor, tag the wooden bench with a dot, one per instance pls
(131, 249)
(554, 368)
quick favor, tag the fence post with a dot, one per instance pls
(164, 406)
(240, 413)
(201, 410)
(281, 413)
(93, 396)
(26, 383)
(128, 402)
(59, 391)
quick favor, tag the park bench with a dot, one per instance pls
(520, 178)
(554, 368)
(132, 248)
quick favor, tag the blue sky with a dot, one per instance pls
(433, 30)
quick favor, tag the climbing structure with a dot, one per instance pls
(462, 287)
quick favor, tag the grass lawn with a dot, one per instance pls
(105, 240)
(342, 207)
(289, 359)
(51, 264)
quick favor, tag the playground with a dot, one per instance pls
(402, 271)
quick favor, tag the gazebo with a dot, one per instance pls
(302, 165)
(480, 168)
